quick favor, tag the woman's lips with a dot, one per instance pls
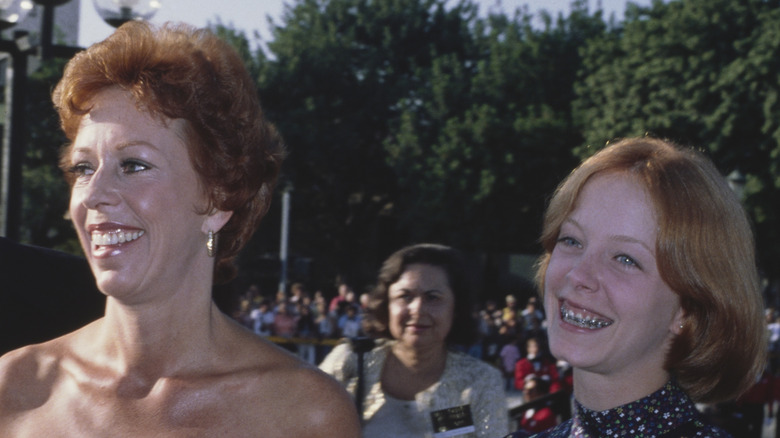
(418, 327)
(583, 318)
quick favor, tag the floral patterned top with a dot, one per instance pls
(666, 413)
(466, 382)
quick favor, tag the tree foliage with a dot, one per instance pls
(338, 72)
(45, 196)
(413, 120)
(699, 72)
(480, 149)
(422, 120)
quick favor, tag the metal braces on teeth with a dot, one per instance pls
(587, 322)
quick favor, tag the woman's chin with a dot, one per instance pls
(420, 342)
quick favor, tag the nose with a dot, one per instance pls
(100, 190)
(583, 273)
(415, 306)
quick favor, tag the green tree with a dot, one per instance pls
(488, 140)
(699, 72)
(335, 79)
(45, 194)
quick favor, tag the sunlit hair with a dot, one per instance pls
(179, 72)
(463, 331)
(705, 254)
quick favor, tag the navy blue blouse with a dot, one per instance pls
(666, 413)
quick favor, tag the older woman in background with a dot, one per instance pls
(650, 286)
(416, 385)
(172, 165)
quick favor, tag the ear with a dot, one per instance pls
(678, 322)
(215, 220)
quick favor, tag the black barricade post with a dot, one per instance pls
(360, 346)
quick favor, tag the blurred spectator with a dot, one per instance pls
(263, 319)
(297, 293)
(285, 323)
(510, 311)
(510, 354)
(509, 328)
(307, 329)
(491, 343)
(349, 323)
(281, 301)
(325, 328)
(532, 316)
(541, 418)
(536, 362)
(243, 314)
(350, 300)
(343, 290)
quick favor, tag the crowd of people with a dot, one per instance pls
(512, 338)
(302, 321)
(307, 318)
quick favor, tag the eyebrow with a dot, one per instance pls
(120, 146)
(406, 289)
(628, 239)
(615, 237)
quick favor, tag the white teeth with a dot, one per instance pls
(588, 322)
(114, 237)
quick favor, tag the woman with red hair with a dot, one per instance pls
(171, 165)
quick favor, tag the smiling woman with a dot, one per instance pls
(650, 283)
(172, 166)
(416, 385)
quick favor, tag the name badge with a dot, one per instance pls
(452, 422)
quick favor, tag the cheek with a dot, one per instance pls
(395, 321)
(445, 317)
(76, 210)
(658, 301)
(552, 280)
(550, 302)
(555, 271)
(395, 314)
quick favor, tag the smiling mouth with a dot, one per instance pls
(99, 238)
(583, 319)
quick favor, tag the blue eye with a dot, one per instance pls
(133, 166)
(568, 241)
(626, 260)
(81, 169)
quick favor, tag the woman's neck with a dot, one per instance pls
(157, 340)
(600, 392)
(409, 371)
(420, 360)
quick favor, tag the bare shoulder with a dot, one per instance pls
(324, 404)
(27, 376)
(306, 401)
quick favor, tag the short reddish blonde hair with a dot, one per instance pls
(179, 72)
(705, 253)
